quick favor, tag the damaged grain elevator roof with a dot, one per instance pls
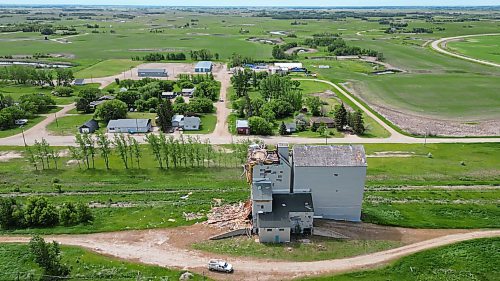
(329, 156)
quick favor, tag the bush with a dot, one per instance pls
(259, 126)
(201, 105)
(48, 257)
(39, 212)
(111, 109)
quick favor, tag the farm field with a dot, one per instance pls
(485, 48)
(107, 68)
(475, 259)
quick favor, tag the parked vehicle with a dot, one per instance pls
(220, 265)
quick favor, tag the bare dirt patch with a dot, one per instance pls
(301, 50)
(6, 156)
(392, 154)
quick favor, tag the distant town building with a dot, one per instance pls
(177, 121)
(203, 66)
(168, 95)
(79, 82)
(151, 72)
(316, 121)
(189, 92)
(131, 126)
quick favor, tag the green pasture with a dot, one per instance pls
(470, 260)
(107, 68)
(485, 48)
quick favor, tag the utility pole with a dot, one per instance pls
(24, 139)
(57, 123)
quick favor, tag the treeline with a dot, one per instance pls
(323, 14)
(38, 77)
(168, 152)
(38, 212)
(203, 54)
(27, 106)
(321, 39)
(279, 51)
(339, 47)
(161, 57)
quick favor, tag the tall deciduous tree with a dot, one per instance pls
(104, 147)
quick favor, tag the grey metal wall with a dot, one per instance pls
(337, 192)
(279, 175)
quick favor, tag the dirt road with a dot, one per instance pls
(440, 43)
(157, 247)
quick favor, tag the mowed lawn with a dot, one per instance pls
(68, 125)
(483, 47)
(107, 68)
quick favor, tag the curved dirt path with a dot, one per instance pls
(438, 46)
(155, 247)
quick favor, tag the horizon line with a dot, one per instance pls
(251, 6)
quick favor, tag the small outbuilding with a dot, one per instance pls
(168, 95)
(242, 127)
(203, 66)
(191, 123)
(89, 127)
(177, 121)
(152, 72)
(79, 82)
(189, 92)
(131, 126)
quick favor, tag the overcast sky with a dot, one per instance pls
(264, 2)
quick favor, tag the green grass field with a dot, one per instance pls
(68, 125)
(16, 263)
(107, 68)
(484, 48)
(470, 260)
(317, 249)
(123, 202)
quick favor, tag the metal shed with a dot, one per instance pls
(152, 72)
(203, 66)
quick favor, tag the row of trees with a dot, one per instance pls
(161, 57)
(340, 48)
(203, 54)
(39, 77)
(38, 212)
(279, 51)
(345, 119)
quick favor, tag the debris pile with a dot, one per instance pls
(192, 216)
(234, 216)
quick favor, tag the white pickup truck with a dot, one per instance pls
(220, 265)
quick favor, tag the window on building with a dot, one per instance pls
(262, 206)
(269, 229)
(336, 175)
(281, 229)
